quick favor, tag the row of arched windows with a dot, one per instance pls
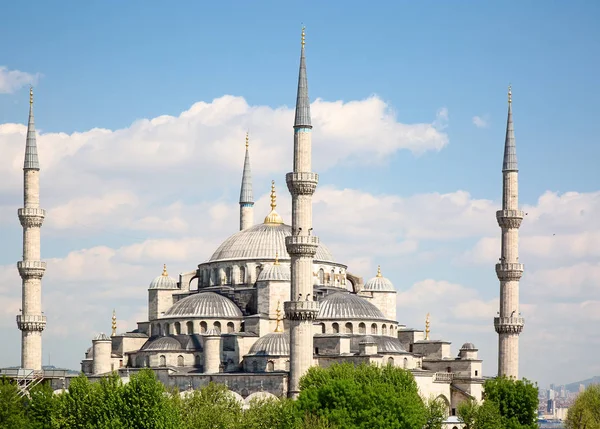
(270, 366)
(349, 327)
(188, 328)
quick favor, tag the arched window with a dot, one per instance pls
(197, 361)
(139, 361)
(162, 360)
(257, 272)
(332, 279)
(270, 366)
(254, 366)
(322, 328)
(215, 277)
(177, 328)
(287, 365)
(348, 328)
(189, 328)
(147, 361)
(217, 326)
(228, 275)
(230, 327)
(383, 329)
(158, 329)
(203, 327)
(321, 276)
(391, 361)
(167, 329)
(179, 360)
(336, 328)
(242, 275)
(405, 363)
(362, 329)
(374, 328)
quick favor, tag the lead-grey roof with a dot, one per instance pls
(345, 305)
(204, 304)
(379, 284)
(302, 102)
(162, 344)
(31, 155)
(468, 346)
(510, 149)
(275, 272)
(384, 343)
(102, 337)
(262, 241)
(163, 282)
(273, 344)
(246, 196)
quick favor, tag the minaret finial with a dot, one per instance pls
(378, 270)
(31, 95)
(427, 330)
(247, 140)
(276, 258)
(273, 196)
(303, 36)
(278, 314)
(164, 273)
(114, 324)
(302, 120)
(509, 93)
(509, 162)
(273, 217)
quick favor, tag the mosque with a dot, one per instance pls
(273, 301)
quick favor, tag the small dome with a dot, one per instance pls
(468, 346)
(367, 340)
(204, 304)
(275, 272)
(101, 337)
(164, 281)
(212, 332)
(344, 305)
(273, 344)
(384, 343)
(162, 344)
(379, 283)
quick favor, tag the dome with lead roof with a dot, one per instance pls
(162, 344)
(379, 283)
(275, 272)
(345, 305)
(273, 344)
(164, 281)
(204, 304)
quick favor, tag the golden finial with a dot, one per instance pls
(276, 258)
(303, 36)
(165, 270)
(427, 330)
(278, 313)
(273, 196)
(30, 95)
(114, 324)
(509, 93)
(273, 217)
(379, 271)
(247, 140)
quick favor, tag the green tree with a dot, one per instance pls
(488, 416)
(40, 406)
(467, 413)
(517, 401)
(436, 412)
(364, 396)
(585, 411)
(12, 406)
(212, 407)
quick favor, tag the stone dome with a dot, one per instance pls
(344, 305)
(262, 241)
(212, 332)
(164, 281)
(273, 344)
(379, 283)
(101, 337)
(275, 272)
(385, 344)
(204, 304)
(162, 344)
(468, 346)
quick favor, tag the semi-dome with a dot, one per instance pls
(263, 241)
(385, 344)
(468, 346)
(344, 305)
(164, 281)
(273, 344)
(162, 344)
(204, 304)
(275, 272)
(379, 283)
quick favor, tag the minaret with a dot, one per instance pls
(509, 324)
(246, 197)
(31, 321)
(301, 245)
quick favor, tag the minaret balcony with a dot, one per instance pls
(302, 245)
(31, 217)
(509, 325)
(302, 183)
(31, 269)
(31, 323)
(301, 310)
(509, 271)
(509, 218)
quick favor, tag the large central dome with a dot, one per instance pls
(263, 241)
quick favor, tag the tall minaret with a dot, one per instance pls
(246, 197)
(31, 321)
(301, 245)
(509, 324)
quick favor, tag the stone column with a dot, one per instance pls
(212, 351)
(102, 347)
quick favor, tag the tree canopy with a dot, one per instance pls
(585, 411)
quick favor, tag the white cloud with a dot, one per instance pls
(12, 80)
(481, 122)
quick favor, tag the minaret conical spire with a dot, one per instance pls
(31, 154)
(302, 101)
(246, 195)
(510, 149)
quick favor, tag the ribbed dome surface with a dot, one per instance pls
(263, 241)
(380, 284)
(273, 344)
(384, 343)
(162, 344)
(205, 304)
(101, 337)
(163, 282)
(274, 272)
(344, 305)
(468, 346)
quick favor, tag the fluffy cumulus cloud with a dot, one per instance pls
(481, 121)
(123, 202)
(12, 80)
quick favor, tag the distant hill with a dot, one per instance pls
(574, 387)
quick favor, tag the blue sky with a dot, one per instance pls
(106, 65)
